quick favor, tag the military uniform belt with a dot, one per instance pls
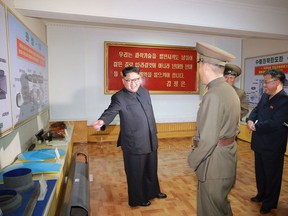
(225, 142)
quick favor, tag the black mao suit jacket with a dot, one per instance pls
(270, 134)
(138, 132)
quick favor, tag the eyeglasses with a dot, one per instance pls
(200, 60)
(269, 81)
(132, 80)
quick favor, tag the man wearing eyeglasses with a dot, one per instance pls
(214, 155)
(269, 139)
(137, 137)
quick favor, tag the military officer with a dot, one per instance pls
(231, 73)
(214, 155)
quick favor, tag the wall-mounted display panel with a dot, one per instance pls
(254, 70)
(29, 72)
(5, 97)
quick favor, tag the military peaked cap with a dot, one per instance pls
(214, 55)
(231, 69)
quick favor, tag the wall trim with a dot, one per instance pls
(165, 130)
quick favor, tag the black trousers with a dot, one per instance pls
(142, 178)
(269, 170)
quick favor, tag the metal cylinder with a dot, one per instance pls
(77, 196)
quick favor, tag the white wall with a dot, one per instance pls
(260, 47)
(76, 69)
(20, 138)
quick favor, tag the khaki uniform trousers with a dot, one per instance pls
(212, 199)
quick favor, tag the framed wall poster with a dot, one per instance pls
(254, 70)
(164, 69)
(5, 96)
(29, 71)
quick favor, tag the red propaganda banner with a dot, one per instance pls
(164, 69)
(28, 53)
(260, 70)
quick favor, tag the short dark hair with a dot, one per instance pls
(130, 69)
(278, 74)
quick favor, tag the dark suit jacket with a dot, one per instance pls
(138, 132)
(270, 134)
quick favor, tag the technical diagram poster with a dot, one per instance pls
(254, 70)
(29, 74)
(5, 97)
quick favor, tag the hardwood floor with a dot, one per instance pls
(108, 191)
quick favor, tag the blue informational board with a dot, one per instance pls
(29, 71)
(5, 94)
(255, 68)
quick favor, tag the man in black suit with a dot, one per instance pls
(137, 137)
(269, 139)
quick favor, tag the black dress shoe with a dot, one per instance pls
(255, 199)
(264, 210)
(148, 203)
(142, 204)
(161, 195)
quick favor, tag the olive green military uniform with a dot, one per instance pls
(234, 70)
(243, 101)
(215, 166)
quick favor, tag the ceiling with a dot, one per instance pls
(237, 18)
